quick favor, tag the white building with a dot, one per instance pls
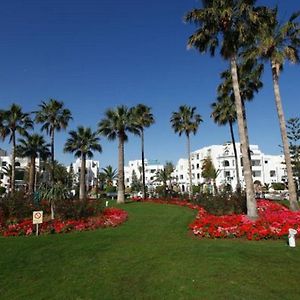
(92, 170)
(151, 168)
(20, 163)
(265, 168)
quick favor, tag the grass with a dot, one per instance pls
(151, 256)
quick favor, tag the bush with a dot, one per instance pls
(2, 190)
(78, 209)
(223, 204)
(16, 206)
(278, 186)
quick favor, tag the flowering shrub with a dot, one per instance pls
(109, 217)
(274, 221)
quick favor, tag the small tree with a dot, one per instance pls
(293, 134)
(209, 172)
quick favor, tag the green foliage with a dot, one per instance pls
(136, 184)
(223, 203)
(208, 169)
(15, 206)
(2, 190)
(293, 134)
(196, 189)
(78, 209)
(110, 189)
(277, 186)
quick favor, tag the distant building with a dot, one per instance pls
(92, 170)
(151, 168)
(265, 168)
(20, 163)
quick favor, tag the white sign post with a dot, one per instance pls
(37, 218)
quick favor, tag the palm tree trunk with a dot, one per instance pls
(121, 187)
(190, 165)
(31, 175)
(238, 185)
(52, 155)
(13, 163)
(82, 189)
(251, 201)
(292, 190)
(143, 164)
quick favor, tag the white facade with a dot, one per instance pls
(20, 163)
(265, 168)
(92, 169)
(151, 168)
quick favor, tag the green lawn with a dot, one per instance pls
(151, 256)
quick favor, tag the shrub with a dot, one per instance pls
(277, 186)
(16, 206)
(78, 209)
(223, 204)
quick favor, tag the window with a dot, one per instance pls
(226, 163)
(198, 166)
(1, 176)
(266, 161)
(3, 163)
(255, 163)
(256, 173)
(193, 167)
(181, 176)
(272, 173)
(227, 174)
(197, 156)
(198, 176)
(17, 164)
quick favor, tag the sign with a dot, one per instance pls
(37, 217)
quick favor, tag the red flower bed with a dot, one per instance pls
(274, 222)
(110, 217)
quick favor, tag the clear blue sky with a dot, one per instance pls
(97, 54)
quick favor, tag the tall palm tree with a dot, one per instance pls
(231, 25)
(54, 117)
(186, 121)
(82, 143)
(144, 118)
(115, 125)
(277, 43)
(14, 121)
(109, 174)
(33, 146)
(224, 111)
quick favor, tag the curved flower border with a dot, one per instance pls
(273, 223)
(110, 217)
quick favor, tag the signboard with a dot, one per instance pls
(37, 217)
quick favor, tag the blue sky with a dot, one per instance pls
(98, 54)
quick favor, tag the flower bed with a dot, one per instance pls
(274, 222)
(111, 217)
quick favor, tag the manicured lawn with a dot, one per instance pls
(152, 256)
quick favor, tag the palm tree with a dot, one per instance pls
(231, 25)
(54, 117)
(82, 143)
(14, 121)
(33, 146)
(144, 118)
(116, 124)
(109, 174)
(224, 111)
(186, 121)
(164, 175)
(277, 43)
